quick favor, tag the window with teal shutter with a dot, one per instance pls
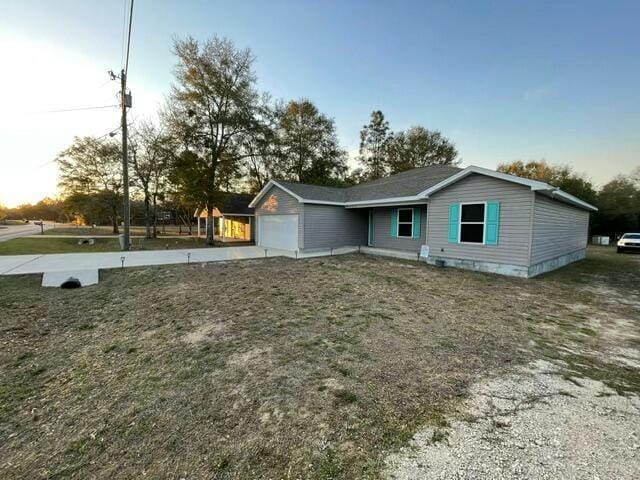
(416, 223)
(454, 220)
(394, 223)
(492, 226)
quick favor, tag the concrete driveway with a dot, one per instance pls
(69, 262)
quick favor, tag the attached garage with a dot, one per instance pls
(278, 231)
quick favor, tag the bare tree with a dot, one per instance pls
(150, 150)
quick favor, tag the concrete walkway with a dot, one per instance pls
(58, 267)
(65, 262)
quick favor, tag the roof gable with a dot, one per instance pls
(413, 185)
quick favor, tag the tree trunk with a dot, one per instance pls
(155, 217)
(147, 215)
(114, 222)
(210, 224)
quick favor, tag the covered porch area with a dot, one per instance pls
(232, 227)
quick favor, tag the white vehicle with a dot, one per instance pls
(629, 242)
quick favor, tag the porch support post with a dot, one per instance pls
(198, 226)
(222, 227)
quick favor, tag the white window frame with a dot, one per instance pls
(483, 223)
(405, 223)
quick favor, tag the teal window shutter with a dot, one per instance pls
(416, 223)
(394, 223)
(492, 226)
(454, 221)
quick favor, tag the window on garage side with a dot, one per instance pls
(405, 222)
(472, 220)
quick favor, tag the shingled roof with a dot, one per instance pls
(405, 184)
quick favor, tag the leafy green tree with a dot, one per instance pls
(262, 160)
(90, 168)
(561, 176)
(211, 108)
(375, 138)
(355, 177)
(619, 206)
(419, 147)
(308, 149)
(50, 209)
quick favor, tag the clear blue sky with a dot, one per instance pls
(504, 80)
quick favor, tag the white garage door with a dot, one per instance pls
(278, 231)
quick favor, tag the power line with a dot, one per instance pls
(77, 109)
(126, 65)
(124, 29)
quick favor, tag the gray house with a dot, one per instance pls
(471, 218)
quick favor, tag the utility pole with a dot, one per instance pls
(126, 101)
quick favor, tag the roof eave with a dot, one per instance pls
(386, 202)
(534, 185)
(266, 188)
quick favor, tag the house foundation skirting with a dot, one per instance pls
(479, 266)
(521, 271)
(554, 263)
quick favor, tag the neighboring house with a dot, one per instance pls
(233, 218)
(471, 218)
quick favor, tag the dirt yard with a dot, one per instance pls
(342, 367)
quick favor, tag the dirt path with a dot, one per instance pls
(532, 424)
(572, 413)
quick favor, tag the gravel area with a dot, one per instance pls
(535, 423)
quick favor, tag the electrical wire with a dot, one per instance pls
(126, 65)
(76, 109)
(124, 29)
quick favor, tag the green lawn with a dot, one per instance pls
(44, 244)
(282, 369)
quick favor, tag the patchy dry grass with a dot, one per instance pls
(276, 368)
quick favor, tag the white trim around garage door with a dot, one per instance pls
(280, 231)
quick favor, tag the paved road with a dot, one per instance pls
(8, 232)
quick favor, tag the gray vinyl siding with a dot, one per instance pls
(285, 204)
(327, 226)
(382, 230)
(516, 203)
(558, 229)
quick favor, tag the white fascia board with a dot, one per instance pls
(567, 197)
(260, 194)
(297, 197)
(386, 202)
(265, 189)
(323, 202)
(533, 184)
